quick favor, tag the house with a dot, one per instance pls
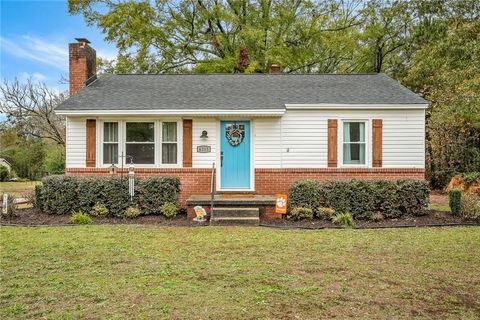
(6, 164)
(262, 131)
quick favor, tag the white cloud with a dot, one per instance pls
(36, 77)
(36, 49)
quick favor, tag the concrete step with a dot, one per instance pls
(229, 212)
(234, 221)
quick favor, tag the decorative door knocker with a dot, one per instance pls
(235, 134)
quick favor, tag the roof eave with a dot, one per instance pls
(356, 106)
(173, 112)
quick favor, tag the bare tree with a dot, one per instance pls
(30, 107)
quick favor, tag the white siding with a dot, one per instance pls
(296, 140)
(304, 136)
(267, 143)
(204, 160)
(76, 143)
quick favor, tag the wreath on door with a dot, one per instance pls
(235, 133)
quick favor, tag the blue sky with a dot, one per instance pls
(34, 37)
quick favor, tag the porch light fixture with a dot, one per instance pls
(204, 134)
(112, 169)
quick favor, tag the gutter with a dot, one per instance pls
(363, 106)
(172, 112)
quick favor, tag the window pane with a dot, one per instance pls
(354, 153)
(110, 153)
(142, 153)
(140, 131)
(169, 131)
(354, 132)
(169, 153)
(110, 131)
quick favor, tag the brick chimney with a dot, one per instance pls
(275, 69)
(82, 64)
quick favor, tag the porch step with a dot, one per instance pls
(235, 216)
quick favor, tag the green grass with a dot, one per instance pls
(230, 273)
(18, 189)
(440, 207)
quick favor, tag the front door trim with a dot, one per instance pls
(219, 149)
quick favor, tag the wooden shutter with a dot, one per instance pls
(377, 125)
(187, 143)
(91, 135)
(332, 142)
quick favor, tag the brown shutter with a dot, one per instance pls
(377, 142)
(332, 142)
(187, 143)
(91, 142)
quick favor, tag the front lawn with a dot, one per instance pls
(225, 273)
(17, 188)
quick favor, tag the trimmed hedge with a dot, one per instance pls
(454, 200)
(363, 198)
(64, 194)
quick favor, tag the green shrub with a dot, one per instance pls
(38, 196)
(99, 210)
(300, 213)
(59, 194)
(132, 212)
(412, 197)
(454, 199)
(156, 191)
(344, 219)
(325, 213)
(471, 177)
(80, 217)
(62, 194)
(169, 209)
(305, 194)
(470, 206)
(4, 173)
(364, 198)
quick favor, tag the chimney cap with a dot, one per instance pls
(84, 40)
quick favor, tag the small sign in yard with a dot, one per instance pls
(281, 204)
(204, 149)
(5, 204)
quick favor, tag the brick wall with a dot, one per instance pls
(271, 181)
(267, 181)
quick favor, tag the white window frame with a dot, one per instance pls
(168, 142)
(368, 142)
(102, 142)
(122, 135)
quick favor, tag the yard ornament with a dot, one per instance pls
(200, 214)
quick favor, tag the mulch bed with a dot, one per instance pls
(32, 217)
(435, 218)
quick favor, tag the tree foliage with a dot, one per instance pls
(30, 108)
(431, 46)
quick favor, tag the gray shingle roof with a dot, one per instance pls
(236, 91)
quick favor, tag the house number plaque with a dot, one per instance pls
(204, 149)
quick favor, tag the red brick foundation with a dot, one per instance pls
(267, 181)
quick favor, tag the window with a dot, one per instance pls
(110, 142)
(140, 142)
(354, 143)
(169, 142)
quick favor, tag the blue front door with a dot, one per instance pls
(235, 155)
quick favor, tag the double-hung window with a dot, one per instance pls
(110, 142)
(169, 142)
(354, 143)
(140, 142)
